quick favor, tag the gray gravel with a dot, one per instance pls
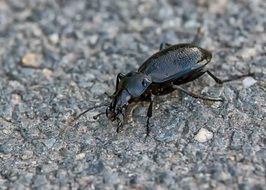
(58, 57)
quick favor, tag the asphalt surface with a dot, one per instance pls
(58, 57)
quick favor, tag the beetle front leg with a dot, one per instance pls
(119, 126)
(149, 115)
(164, 45)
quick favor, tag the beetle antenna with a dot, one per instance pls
(98, 115)
(89, 109)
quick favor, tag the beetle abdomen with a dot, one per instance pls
(177, 60)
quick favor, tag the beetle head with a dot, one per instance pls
(131, 86)
(120, 100)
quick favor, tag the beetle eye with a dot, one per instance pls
(145, 82)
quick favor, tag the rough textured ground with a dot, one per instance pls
(58, 57)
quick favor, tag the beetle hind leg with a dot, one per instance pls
(236, 77)
(198, 96)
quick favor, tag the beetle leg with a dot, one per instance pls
(149, 115)
(164, 45)
(236, 77)
(198, 96)
(219, 81)
(119, 125)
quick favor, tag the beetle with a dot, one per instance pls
(161, 74)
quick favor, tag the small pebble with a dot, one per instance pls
(16, 98)
(248, 53)
(27, 155)
(218, 6)
(47, 73)
(49, 142)
(93, 39)
(248, 82)
(54, 38)
(80, 156)
(203, 135)
(30, 60)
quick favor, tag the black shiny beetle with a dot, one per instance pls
(161, 74)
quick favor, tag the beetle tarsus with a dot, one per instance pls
(198, 96)
(119, 125)
(148, 127)
(236, 77)
(118, 129)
